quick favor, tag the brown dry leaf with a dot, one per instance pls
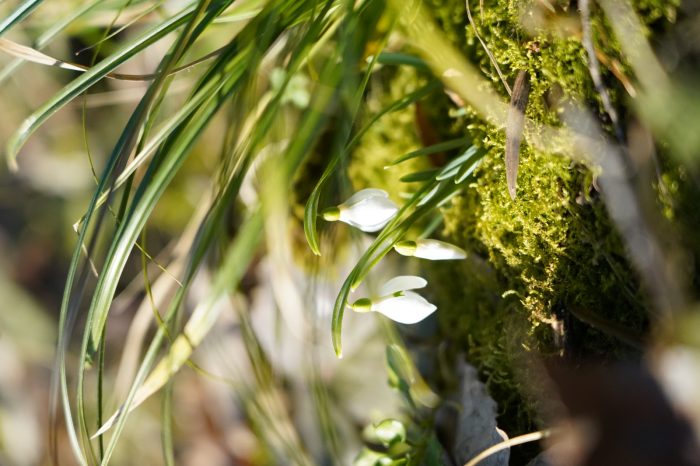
(514, 129)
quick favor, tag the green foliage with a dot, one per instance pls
(555, 224)
(551, 254)
(552, 246)
(394, 133)
(307, 95)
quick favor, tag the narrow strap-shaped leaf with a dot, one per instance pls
(48, 35)
(18, 15)
(161, 135)
(239, 255)
(213, 221)
(33, 55)
(423, 175)
(399, 59)
(435, 148)
(168, 444)
(454, 165)
(311, 208)
(143, 203)
(204, 238)
(468, 168)
(83, 82)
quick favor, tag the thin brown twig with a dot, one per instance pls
(520, 439)
(614, 67)
(594, 68)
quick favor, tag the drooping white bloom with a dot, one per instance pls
(430, 249)
(397, 303)
(368, 209)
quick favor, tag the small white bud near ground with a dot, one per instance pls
(431, 249)
(397, 302)
(368, 210)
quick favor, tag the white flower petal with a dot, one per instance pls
(409, 308)
(364, 194)
(401, 283)
(369, 210)
(438, 250)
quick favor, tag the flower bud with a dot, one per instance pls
(431, 249)
(397, 303)
(368, 210)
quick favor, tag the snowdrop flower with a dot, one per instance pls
(430, 249)
(368, 210)
(398, 304)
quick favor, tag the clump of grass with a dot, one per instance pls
(559, 251)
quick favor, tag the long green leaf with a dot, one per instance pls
(402, 59)
(311, 208)
(123, 147)
(18, 15)
(435, 148)
(240, 65)
(423, 175)
(87, 79)
(48, 35)
(235, 263)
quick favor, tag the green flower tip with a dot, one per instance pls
(362, 305)
(406, 248)
(331, 214)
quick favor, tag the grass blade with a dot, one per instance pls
(402, 59)
(235, 263)
(89, 78)
(49, 35)
(435, 148)
(18, 15)
(311, 208)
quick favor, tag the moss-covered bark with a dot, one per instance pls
(541, 263)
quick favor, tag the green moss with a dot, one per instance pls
(532, 262)
(551, 247)
(552, 253)
(525, 35)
